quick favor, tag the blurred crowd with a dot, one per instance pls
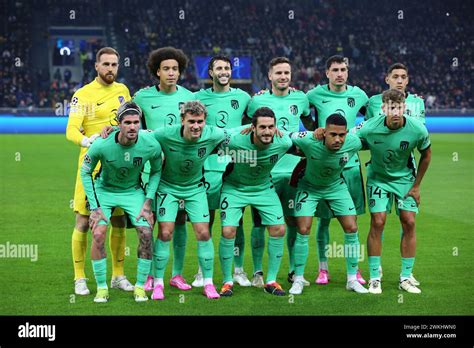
(434, 40)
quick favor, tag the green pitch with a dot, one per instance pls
(37, 183)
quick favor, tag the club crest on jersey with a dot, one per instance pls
(273, 159)
(298, 206)
(201, 152)
(404, 145)
(223, 215)
(121, 99)
(344, 159)
(137, 161)
(294, 109)
(351, 102)
(235, 104)
(162, 211)
(371, 203)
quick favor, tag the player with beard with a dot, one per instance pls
(92, 107)
(290, 106)
(225, 106)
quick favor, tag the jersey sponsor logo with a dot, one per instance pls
(222, 119)
(351, 102)
(201, 152)
(137, 161)
(325, 172)
(186, 166)
(170, 120)
(340, 112)
(234, 103)
(122, 173)
(121, 99)
(387, 156)
(283, 124)
(404, 145)
(294, 110)
(162, 211)
(155, 106)
(273, 159)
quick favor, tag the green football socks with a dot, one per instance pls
(100, 272)
(226, 256)
(301, 253)
(239, 247)
(290, 242)
(275, 254)
(258, 247)
(322, 238)
(206, 257)
(180, 236)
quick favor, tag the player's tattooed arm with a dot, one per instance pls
(146, 212)
(145, 250)
(423, 165)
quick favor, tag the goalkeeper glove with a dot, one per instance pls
(86, 142)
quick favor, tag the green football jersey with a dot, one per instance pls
(288, 110)
(121, 165)
(161, 109)
(347, 103)
(184, 160)
(251, 169)
(224, 110)
(324, 167)
(391, 150)
(414, 107)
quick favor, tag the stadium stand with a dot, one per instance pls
(434, 41)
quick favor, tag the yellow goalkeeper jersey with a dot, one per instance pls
(93, 107)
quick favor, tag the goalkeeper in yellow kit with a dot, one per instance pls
(93, 107)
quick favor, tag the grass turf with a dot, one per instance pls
(37, 184)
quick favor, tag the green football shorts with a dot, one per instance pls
(192, 199)
(130, 202)
(285, 191)
(355, 184)
(213, 183)
(265, 202)
(336, 197)
(381, 194)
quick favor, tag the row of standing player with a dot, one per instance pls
(227, 106)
